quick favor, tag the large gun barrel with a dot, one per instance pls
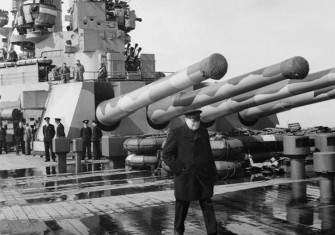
(164, 110)
(111, 111)
(268, 94)
(251, 115)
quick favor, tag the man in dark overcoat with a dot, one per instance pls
(188, 154)
(3, 134)
(59, 128)
(86, 135)
(19, 132)
(49, 134)
(96, 139)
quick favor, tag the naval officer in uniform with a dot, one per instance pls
(49, 134)
(188, 154)
(96, 139)
(59, 128)
(86, 135)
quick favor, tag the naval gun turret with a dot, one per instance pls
(110, 111)
(164, 110)
(251, 115)
(268, 94)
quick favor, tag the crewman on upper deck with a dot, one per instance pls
(64, 73)
(12, 55)
(79, 71)
(102, 73)
(3, 54)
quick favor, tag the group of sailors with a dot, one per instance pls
(10, 56)
(24, 135)
(87, 135)
(63, 73)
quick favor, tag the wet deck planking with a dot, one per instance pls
(142, 211)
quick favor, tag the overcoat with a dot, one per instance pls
(48, 132)
(19, 132)
(188, 154)
(86, 134)
(3, 134)
(27, 134)
(97, 134)
(60, 130)
(79, 72)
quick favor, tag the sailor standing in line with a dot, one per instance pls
(19, 132)
(86, 135)
(96, 138)
(3, 143)
(59, 128)
(188, 154)
(48, 133)
(27, 139)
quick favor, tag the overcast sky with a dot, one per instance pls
(251, 34)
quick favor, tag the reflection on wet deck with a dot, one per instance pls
(114, 201)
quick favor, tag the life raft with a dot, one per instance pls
(40, 61)
(141, 161)
(227, 149)
(143, 145)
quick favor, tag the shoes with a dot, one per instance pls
(47, 161)
(177, 233)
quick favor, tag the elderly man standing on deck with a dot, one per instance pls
(188, 154)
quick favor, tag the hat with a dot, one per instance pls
(46, 118)
(57, 119)
(95, 121)
(86, 121)
(193, 114)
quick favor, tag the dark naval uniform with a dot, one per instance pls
(19, 132)
(86, 135)
(49, 134)
(60, 131)
(96, 138)
(188, 154)
(3, 143)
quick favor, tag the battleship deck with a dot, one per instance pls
(113, 201)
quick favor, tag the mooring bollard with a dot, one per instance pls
(296, 148)
(61, 147)
(324, 165)
(78, 151)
